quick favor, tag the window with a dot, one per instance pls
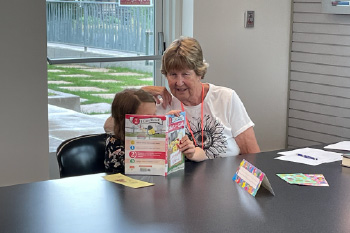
(95, 49)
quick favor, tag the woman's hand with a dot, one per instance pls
(191, 152)
(157, 91)
(187, 147)
(174, 112)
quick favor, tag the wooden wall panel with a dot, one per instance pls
(319, 108)
(319, 92)
(321, 89)
(322, 119)
(323, 59)
(320, 69)
(315, 137)
(321, 38)
(299, 142)
(320, 79)
(307, 7)
(320, 99)
(335, 29)
(330, 130)
(321, 18)
(320, 49)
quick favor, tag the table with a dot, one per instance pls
(202, 198)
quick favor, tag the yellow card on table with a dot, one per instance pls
(127, 181)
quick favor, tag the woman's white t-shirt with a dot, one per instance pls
(224, 117)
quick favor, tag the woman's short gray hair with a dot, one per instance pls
(184, 53)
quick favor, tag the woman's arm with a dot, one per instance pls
(159, 91)
(246, 142)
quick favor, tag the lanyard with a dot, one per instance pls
(188, 124)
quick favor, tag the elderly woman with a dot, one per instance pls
(217, 122)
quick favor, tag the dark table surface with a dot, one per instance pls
(202, 198)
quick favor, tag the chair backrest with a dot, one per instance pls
(82, 155)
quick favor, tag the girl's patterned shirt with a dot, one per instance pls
(114, 155)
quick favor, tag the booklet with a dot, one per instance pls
(151, 144)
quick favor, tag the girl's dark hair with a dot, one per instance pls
(127, 102)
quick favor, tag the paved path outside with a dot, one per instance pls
(65, 124)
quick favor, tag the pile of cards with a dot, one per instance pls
(304, 179)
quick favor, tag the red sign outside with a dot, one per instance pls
(135, 2)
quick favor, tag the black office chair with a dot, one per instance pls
(82, 155)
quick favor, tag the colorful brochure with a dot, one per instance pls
(151, 144)
(250, 178)
(304, 179)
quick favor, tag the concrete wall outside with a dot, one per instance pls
(64, 100)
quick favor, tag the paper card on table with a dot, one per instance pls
(319, 178)
(127, 181)
(250, 178)
(297, 178)
(304, 155)
(344, 145)
(304, 179)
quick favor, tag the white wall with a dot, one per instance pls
(23, 96)
(253, 61)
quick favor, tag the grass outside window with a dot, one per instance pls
(110, 87)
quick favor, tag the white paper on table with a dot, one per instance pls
(321, 155)
(344, 145)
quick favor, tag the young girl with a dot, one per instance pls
(129, 101)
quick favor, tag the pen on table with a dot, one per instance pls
(307, 157)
